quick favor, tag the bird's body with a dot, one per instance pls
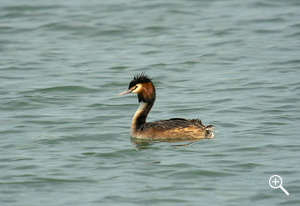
(175, 128)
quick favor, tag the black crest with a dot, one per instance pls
(139, 78)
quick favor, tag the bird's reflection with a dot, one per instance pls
(140, 144)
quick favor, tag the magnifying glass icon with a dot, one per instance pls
(275, 182)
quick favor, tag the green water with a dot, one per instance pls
(64, 132)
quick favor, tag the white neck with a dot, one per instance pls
(137, 113)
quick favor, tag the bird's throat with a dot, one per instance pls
(139, 118)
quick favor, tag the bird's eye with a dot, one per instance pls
(134, 88)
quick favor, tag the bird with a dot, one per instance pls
(170, 129)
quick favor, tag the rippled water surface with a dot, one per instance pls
(65, 132)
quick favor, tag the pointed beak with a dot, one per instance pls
(126, 92)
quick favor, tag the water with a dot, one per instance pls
(65, 132)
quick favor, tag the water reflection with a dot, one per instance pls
(140, 144)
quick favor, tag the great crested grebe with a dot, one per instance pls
(176, 128)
